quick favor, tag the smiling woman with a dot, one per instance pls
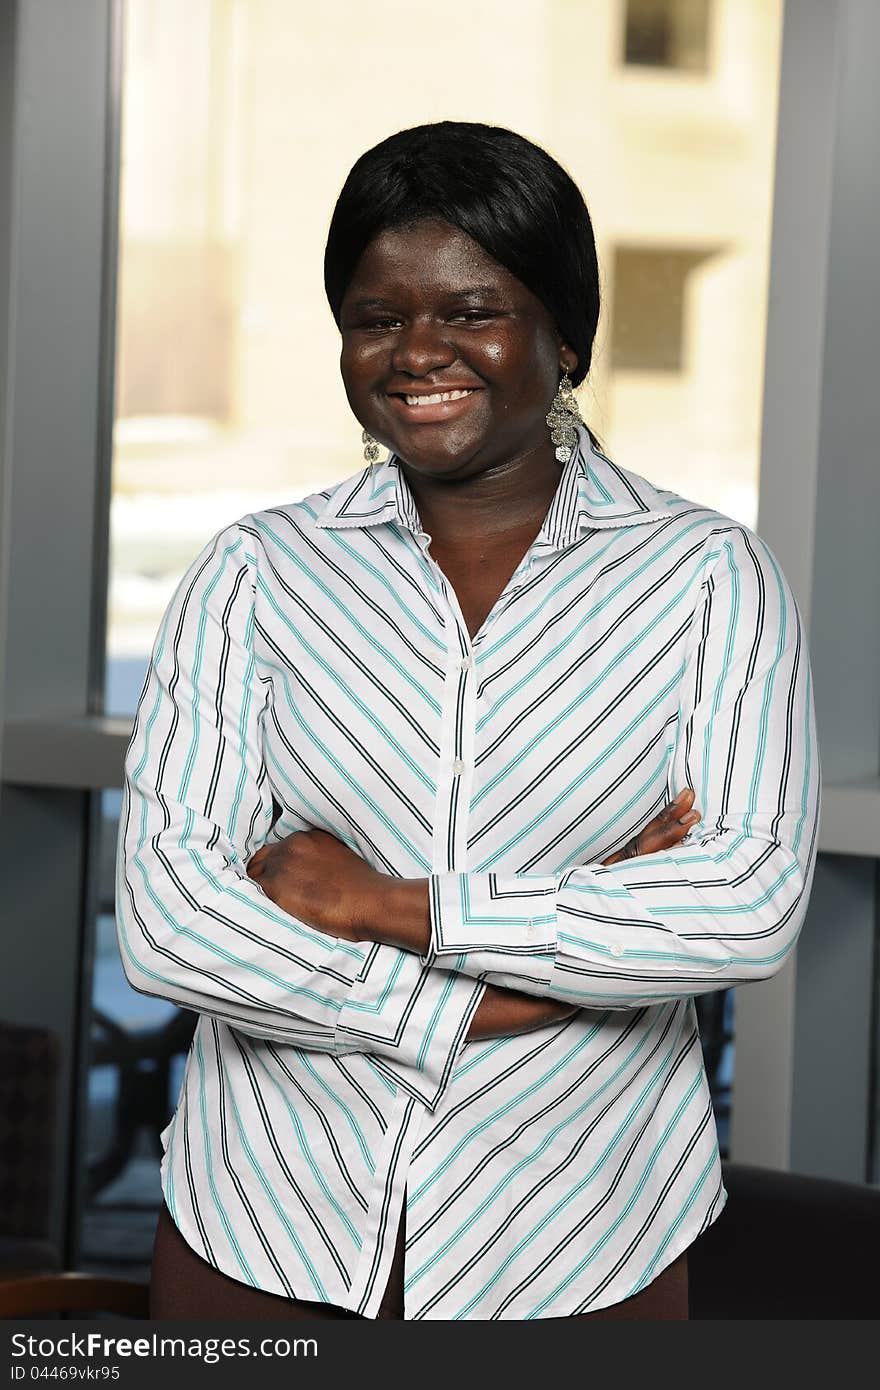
(400, 819)
(445, 271)
(502, 357)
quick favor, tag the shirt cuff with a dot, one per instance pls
(585, 918)
(411, 1019)
(507, 914)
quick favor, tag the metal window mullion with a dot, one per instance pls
(802, 1082)
(57, 139)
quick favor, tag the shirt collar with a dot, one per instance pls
(593, 493)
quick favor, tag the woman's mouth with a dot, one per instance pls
(428, 407)
(436, 396)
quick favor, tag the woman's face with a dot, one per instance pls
(428, 311)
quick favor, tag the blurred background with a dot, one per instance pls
(169, 362)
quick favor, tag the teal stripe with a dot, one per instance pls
(594, 560)
(529, 1160)
(372, 805)
(196, 673)
(519, 837)
(808, 768)
(724, 671)
(246, 967)
(309, 1156)
(566, 1201)
(652, 1162)
(564, 647)
(607, 833)
(345, 611)
(284, 1219)
(394, 591)
(318, 820)
(764, 720)
(710, 1167)
(362, 1006)
(358, 704)
(434, 1022)
(487, 1122)
(306, 1063)
(207, 1130)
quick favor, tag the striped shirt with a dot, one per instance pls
(314, 670)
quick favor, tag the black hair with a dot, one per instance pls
(503, 191)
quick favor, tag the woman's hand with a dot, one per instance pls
(318, 879)
(663, 832)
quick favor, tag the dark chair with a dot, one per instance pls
(31, 1281)
(29, 1066)
(142, 1059)
(788, 1246)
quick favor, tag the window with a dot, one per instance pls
(650, 310)
(227, 391)
(667, 34)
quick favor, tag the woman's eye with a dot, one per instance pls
(382, 323)
(473, 315)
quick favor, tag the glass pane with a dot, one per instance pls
(228, 395)
(241, 119)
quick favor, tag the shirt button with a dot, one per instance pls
(531, 931)
(458, 767)
(465, 663)
(616, 949)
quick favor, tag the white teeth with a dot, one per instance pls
(439, 396)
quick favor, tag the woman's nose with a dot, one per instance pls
(421, 347)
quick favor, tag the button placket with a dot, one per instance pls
(457, 733)
(458, 726)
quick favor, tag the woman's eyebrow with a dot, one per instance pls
(473, 293)
(476, 292)
(371, 303)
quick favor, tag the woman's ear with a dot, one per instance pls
(568, 358)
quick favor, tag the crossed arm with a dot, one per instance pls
(368, 906)
(198, 924)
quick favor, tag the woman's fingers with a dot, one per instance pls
(671, 825)
(257, 862)
(667, 829)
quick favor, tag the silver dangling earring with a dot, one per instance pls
(371, 448)
(562, 416)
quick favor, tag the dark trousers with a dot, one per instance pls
(184, 1285)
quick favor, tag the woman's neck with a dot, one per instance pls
(500, 500)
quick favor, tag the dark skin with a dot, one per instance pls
(427, 311)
